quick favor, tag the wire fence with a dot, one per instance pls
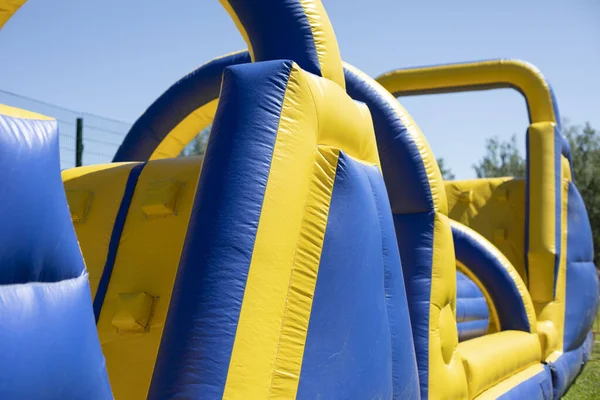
(101, 136)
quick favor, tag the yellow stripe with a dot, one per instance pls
(494, 326)
(554, 311)
(23, 114)
(470, 75)
(303, 278)
(185, 131)
(542, 212)
(509, 383)
(239, 26)
(326, 45)
(8, 8)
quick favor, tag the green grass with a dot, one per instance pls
(587, 384)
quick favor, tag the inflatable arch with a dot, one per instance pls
(309, 254)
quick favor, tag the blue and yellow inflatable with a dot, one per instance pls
(313, 252)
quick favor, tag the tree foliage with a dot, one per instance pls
(197, 146)
(502, 158)
(447, 173)
(585, 150)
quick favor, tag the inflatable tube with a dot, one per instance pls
(502, 284)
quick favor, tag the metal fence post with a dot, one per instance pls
(79, 143)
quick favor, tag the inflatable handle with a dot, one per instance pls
(297, 30)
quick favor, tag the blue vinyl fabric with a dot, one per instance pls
(538, 387)
(48, 342)
(412, 205)
(472, 314)
(471, 251)
(582, 278)
(569, 365)
(279, 30)
(194, 90)
(370, 338)
(197, 341)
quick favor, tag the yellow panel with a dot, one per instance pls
(271, 333)
(461, 76)
(446, 374)
(105, 184)
(509, 383)
(8, 8)
(146, 262)
(496, 211)
(490, 359)
(542, 212)
(554, 311)
(18, 112)
(79, 204)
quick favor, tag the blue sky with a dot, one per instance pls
(114, 57)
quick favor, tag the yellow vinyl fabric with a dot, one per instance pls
(20, 113)
(273, 324)
(185, 131)
(494, 208)
(474, 76)
(490, 359)
(554, 311)
(506, 385)
(8, 8)
(94, 194)
(137, 299)
(144, 272)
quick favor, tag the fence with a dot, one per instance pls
(101, 136)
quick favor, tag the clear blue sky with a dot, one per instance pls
(114, 57)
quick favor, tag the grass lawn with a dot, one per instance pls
(587, 384)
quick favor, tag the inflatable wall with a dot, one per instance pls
(314, 251)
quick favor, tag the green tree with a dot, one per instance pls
(501, 159)
(447, 173)
(197, 146)
(585, 150)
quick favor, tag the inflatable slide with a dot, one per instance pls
(314, 252)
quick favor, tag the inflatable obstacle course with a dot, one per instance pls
(313, 252)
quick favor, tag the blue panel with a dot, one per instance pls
(48, 342)
(471, 309)
(566, 368)
(411, 200)
(187, 95)
(471, 329)
(538, 387)
(466, 288)
(37, 239)
(279, 30)
(49, 345)
(196, 346)
(115, 238)
(492, 275)
(359, 342)
(582, 278)
(415, 241)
